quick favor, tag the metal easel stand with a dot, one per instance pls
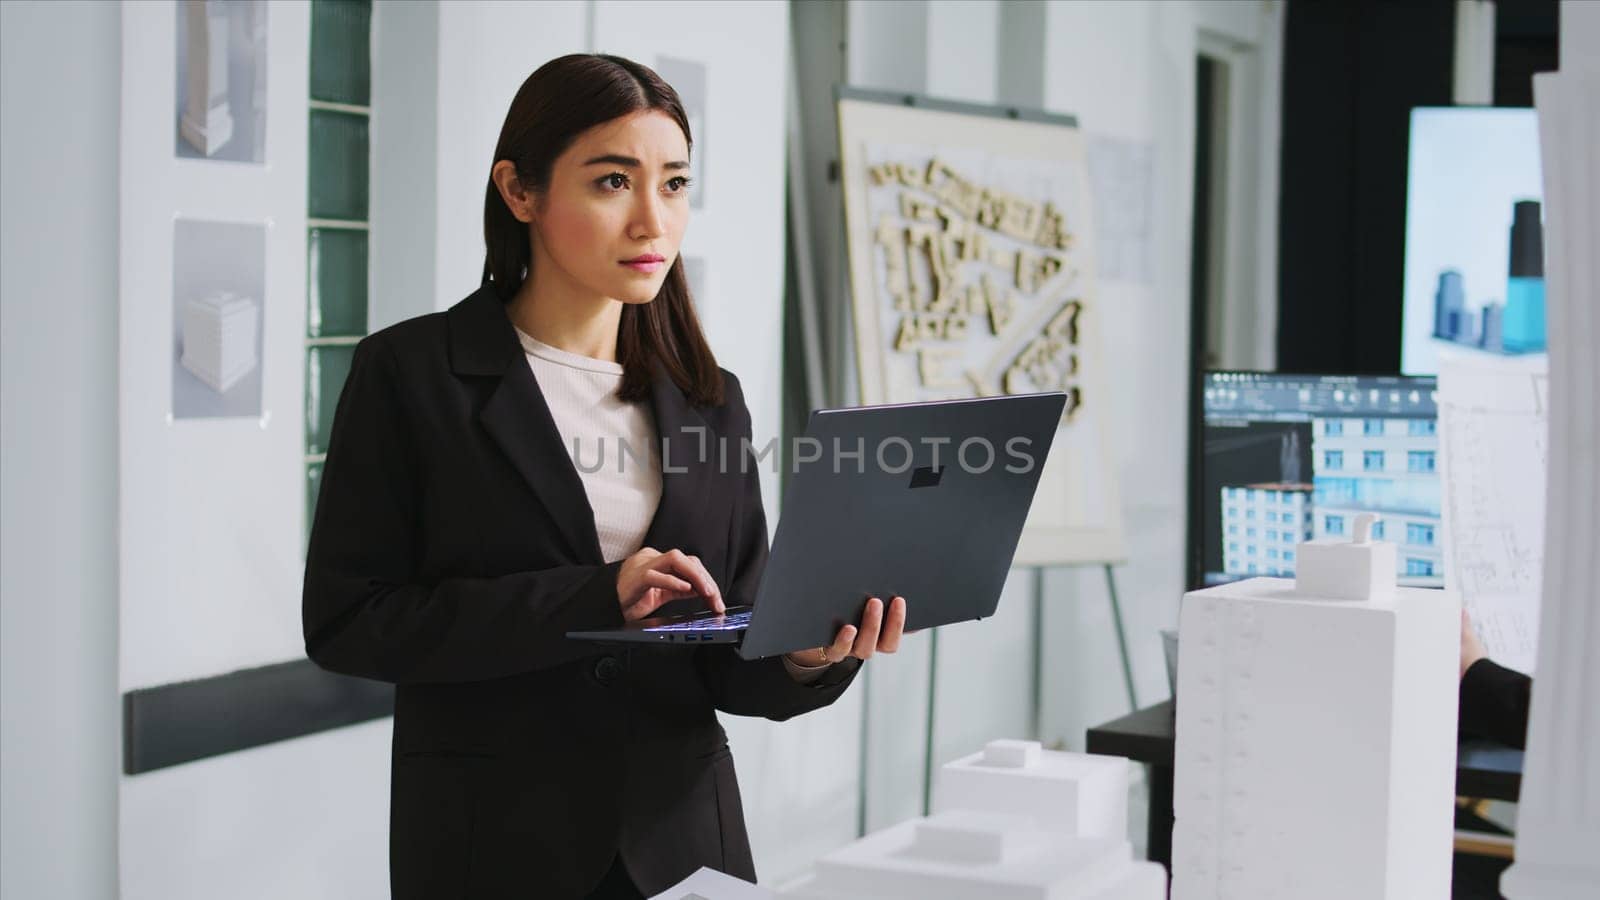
(1036, 726)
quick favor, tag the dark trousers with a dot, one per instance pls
(616, 885)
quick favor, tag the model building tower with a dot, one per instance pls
(1316, 732)
(1449, 306)
(219, 339)
(1014, 822)
(1523, 322)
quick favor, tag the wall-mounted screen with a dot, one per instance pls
(1474, 271)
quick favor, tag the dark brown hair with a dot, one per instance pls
(562, 99)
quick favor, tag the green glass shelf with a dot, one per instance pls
(336, 282)
(338, 166)
(326, 370)
(341, 51)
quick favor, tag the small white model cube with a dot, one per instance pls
(1333, 569)
(1077, 793)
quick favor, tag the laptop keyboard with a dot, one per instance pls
(730, 622)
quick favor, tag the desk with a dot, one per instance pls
(1484, 769)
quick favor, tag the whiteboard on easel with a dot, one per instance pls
(972, 274)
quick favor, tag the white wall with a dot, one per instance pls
(486, 50)
(306, 818)
(59, 734)
(404, 173)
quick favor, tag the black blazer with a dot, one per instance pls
(452, 548)
(1494, 703)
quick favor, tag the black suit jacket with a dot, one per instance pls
(452, 548)
(1494, 703)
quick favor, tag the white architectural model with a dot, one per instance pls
(219, 338)
(207, 123)
(1015, 823)
(1316, 739)
(1078, 793)
(1558, 825)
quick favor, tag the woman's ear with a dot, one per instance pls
(516, 195)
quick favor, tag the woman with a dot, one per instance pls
(456, 541)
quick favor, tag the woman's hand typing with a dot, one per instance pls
(649, 579)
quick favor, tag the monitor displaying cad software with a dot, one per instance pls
(1290, 458)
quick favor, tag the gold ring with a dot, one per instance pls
(825, 659)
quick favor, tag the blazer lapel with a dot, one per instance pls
(689, 450)
(484, 342)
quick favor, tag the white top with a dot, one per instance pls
(612, 442)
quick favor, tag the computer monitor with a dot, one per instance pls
(1289, 458)
(1474, 261)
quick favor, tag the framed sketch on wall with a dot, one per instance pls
(221, 57)
(218, 282)
(972, 274)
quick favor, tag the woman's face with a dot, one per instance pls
(617, 206)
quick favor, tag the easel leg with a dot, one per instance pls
(1036, 693)
(1122, 639)
(862, 752)
(927, 737)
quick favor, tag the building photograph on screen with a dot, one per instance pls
(1474, 257)
(1292, 458)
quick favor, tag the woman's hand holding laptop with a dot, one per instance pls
(879, 632)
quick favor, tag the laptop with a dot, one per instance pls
(931, 509)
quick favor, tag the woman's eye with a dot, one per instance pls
(616, 181)
(678, 184)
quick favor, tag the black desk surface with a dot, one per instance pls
(1484, 769)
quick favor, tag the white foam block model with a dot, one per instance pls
(1012, 822)
(1357, 569)
(1315, 752)
(971, 854)
(709, 884)
(1077, 793)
